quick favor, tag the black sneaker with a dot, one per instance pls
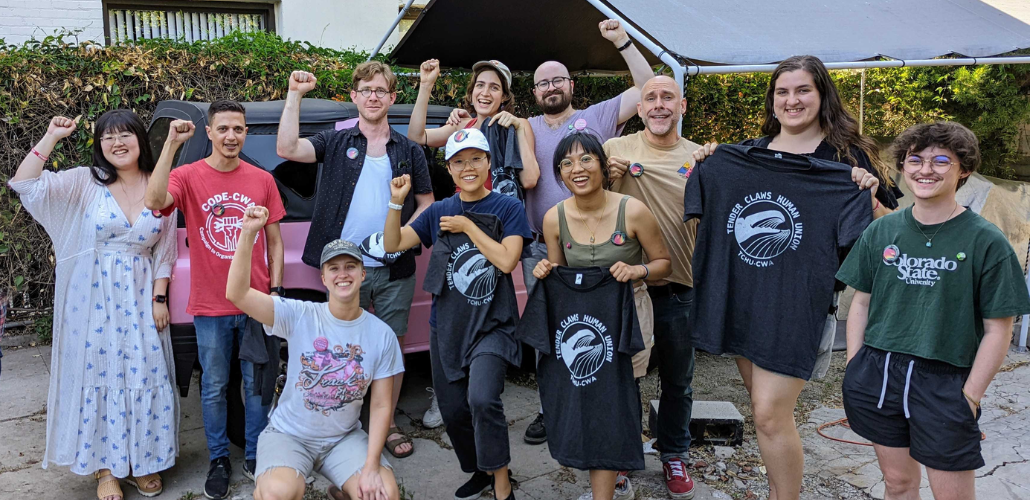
(217, 485)
(536, 433)
(475, 486)
(248, 468)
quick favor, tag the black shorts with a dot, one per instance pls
(920, 406)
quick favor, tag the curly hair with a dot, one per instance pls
(507, 97)
(952, 136)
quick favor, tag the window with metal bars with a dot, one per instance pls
(128, 21)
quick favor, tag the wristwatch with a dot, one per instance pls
(161, 299)
(278, 290)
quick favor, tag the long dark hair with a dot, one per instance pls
(837, 123)
(591, 145)
(115, 121)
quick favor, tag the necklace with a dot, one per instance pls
(584, 219)
(929, 241)
(474, 205)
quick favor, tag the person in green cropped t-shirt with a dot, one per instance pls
(937, 288)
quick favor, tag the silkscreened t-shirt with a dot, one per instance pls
(657, 177)
(213, 203)
(583, 323)
(930, 301)
(332, 364)
(771, 225)
(477, 304)
(601, 119)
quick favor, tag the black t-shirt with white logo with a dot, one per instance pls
(771, 225)
(584, 324)
(475, 301)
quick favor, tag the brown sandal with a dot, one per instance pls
(107, 485)
(141, 481)
(391, 445)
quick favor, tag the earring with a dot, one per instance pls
(775, 117)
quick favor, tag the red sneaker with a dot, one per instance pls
(677, 481)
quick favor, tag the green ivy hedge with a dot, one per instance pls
(52, 76)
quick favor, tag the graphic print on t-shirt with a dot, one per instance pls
(221, 229)
(471, 274)
(919, 271)
(331, 379)
(765, 226)
(585, 346)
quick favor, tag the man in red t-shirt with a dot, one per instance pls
(213, 194)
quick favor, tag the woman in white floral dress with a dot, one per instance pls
(113, 409)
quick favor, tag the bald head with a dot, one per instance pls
(549, 70)
(661, 106)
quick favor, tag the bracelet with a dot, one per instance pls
(394, 206)
(40, 155)
(625, 45)
(877, 207)
(647, 272)
(971, 400)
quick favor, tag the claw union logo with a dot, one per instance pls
(472, 275)
(765, 226)
(221, 232)
(584, 345)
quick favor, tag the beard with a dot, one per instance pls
(552, 109)
(661, 129)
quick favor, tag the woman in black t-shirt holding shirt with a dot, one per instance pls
(804, 115)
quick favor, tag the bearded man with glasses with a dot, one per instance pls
(358, 165)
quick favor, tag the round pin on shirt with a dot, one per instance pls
(636, 170)
(217, 209)
(352, 153)
(618, 238)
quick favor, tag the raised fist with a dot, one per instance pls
(61, 127)
(179, 131)
(613, 31)
(429, 71)
(399, 188)
(302, 82)
(254, 218)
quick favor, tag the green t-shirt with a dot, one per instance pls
(931, 301)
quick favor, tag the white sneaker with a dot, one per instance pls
(623, 491)
(432, 419)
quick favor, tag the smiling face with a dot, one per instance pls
(373, 108)
(581, 171)
(796, 100)
(552, 100)
(487, 93)
(661, 106)
(934, 178)
(342, 276)
(120, 148)
(227, 131)
(469, 168)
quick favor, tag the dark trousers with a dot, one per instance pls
(473, 412)
(675, 368)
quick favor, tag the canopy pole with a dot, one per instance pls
(400, 15)
(893, 63)
(861, 103)
(679, 74)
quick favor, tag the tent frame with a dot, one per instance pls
(681, 72)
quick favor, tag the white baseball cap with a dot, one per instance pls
(464, 139)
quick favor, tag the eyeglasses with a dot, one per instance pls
(380, 92)
(459, 165)
(557, 82)
(123, 137)
(588, 162)
(939, 164)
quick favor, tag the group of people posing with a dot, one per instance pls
(627, 244)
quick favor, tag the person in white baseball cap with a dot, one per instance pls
(487, 107)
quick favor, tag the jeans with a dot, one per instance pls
(675, 368)
(215, 335)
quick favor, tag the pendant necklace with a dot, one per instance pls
(584, 219)
(929, 241)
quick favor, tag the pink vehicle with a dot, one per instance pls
(298, 185)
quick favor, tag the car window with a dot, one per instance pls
(157, 135)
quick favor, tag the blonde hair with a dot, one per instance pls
(369, 69)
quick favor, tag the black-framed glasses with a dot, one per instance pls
(457, 165)
(588, 162)
(380, 92)
(556, 82)
(939, 164)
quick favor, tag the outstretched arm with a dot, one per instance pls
(157, 196)
(254, 303)
(641, 72)
(288, 143)
(32, 166)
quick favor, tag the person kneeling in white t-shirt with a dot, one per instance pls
(337, 351)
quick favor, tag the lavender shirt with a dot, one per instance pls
(601, 118)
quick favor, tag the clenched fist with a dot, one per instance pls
(254, 219)
(179, 131)
(61, 127)
(302, 82)
(399, 188)
(613, 31)
(429, 71)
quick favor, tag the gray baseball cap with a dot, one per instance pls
(337, 248)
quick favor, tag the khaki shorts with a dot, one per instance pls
(645, 316)
(336, 460)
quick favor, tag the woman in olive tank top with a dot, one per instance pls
(597, 228)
